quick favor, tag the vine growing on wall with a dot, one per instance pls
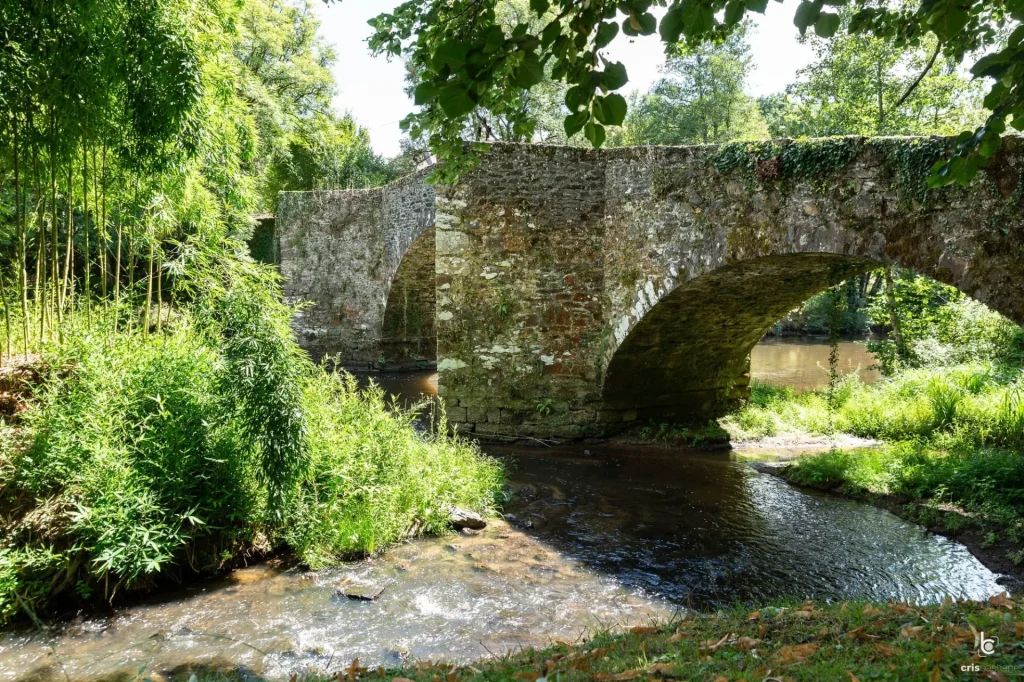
(780, 163)
(910, 160)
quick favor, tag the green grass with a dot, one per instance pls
(145, 459)
(968, 405)
(799, 642)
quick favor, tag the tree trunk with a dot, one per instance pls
(894, 317)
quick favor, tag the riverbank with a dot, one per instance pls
(946, 451)
(799, 641)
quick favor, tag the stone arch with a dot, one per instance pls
(341, 252)
(408, 337)
(689, 354)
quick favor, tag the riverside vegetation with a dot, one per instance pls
(950, 415)
(146, 459)
(158, 421)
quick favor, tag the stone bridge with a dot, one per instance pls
(567, 292)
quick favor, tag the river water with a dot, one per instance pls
(595, 536)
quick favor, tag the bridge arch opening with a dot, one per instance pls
(688, 356)
(408, 336)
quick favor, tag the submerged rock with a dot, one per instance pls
(368, 592)
(464, 518)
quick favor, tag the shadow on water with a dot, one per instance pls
(704, 529)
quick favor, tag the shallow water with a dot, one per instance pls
(596, 536)
(617, 537)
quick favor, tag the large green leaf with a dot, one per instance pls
(827, 24)
(455, 101)
(425, 93)
(614, 76)
(806, 14)
(610, 109)
(529, 73)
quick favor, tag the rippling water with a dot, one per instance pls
(621, 536)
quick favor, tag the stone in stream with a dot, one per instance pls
(464, 518)
(362, 592)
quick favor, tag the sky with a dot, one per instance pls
(371, 88)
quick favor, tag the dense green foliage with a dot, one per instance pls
(148, 458)
(986, 485)
(940, 326)
(863, 85)
(701, 98)
(805, 641)
(969, 405)
(466, 62)
(177, 425)
(132, 132)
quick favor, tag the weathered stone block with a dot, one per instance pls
(476, 414)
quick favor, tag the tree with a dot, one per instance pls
(466, 60)
(325, 151)
(701, 99)
(287, 82)
(862, 85)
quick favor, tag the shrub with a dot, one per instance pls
(152, 457)
(372, 479)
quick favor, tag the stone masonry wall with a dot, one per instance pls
(581, 290)
(340, 251)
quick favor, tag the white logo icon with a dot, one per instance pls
(986, 646)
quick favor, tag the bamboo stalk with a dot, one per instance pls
(87, 255)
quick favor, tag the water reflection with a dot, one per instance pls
(704, 528)
(802, 362)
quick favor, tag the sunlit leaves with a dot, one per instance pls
(573, 34)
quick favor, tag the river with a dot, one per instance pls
(595, 536)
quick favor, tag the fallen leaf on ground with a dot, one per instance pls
(912, 632)
(753, 615)
(679, 635)
(795, 653)
(870, 611)
(883, 649)
(1018, 629)
(936, 675)
(1001, 599)
(747, 643)
(664, 670)
(400, 679)
(853, 678)
(643, 630)
(996, 676)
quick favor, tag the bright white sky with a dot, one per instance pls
(371, 87)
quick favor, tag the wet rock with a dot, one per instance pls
(464, 518)
(367, 592)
